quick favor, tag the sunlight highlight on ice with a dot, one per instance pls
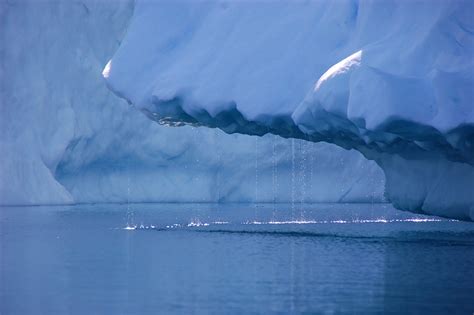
(106, 71)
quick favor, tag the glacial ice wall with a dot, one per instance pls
(65, 138)
(391, 79)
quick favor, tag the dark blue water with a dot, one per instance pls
(233, 259)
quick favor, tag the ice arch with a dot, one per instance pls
(391, 79)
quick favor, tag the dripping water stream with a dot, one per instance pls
(302, 179)
(130, 215)
(292, 177)
(274, 177)
(256, 179)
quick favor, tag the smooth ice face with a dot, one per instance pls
(392, 79)
(65, 138)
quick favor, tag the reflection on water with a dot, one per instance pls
(198, 258)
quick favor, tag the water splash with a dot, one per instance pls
(354, 221)
(197, 223)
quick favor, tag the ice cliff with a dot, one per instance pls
(65, 138)
(391, 79)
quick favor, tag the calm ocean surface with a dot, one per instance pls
(233, 259)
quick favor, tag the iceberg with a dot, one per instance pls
(66, 139)
(393, 80)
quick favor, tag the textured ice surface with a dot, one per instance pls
(392, 79)
(65, 138)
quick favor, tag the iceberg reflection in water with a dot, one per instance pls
(233, 258)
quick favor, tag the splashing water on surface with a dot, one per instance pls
(196, 223)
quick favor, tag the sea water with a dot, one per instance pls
(232, 259)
